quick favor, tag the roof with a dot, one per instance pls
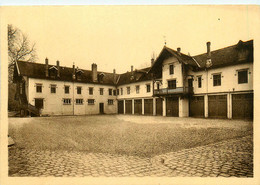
(135, 76)
(37, 70)
(228, 56)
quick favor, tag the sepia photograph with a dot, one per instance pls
(130, 91)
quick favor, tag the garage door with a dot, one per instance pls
(242, 106)
(218, 106)
(128, 106)
(120, 107)
(197, 106)
(148, 107)
(172, 106)
(138, 107)
(159, 107)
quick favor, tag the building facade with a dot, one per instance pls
(216, 84)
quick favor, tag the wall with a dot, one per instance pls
(176, 75)
(229, 79)
(53, 102)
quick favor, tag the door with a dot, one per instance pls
(196, 106)
(218, 106)
(128, 106)
(120, 107)
(101, 108)
(148, 106)
(242, 106)
(172, 106)
(138, 106)
(159, 107)
(39, 103)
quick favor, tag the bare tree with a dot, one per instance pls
(19, 48)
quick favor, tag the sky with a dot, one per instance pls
(116, 37)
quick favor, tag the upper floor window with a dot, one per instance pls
(66, 101)
(90, 90)
(110, 102)
(114, 92)
(199, 81)
(91, 101)
(137, 88)
(78, 90)
(110, 92)
(117, 91)
(243, 76)
(217, 80)
(148, 88)
(158, 86)
(171, 69)
(101, 91)
(121, 91)
(38, 88)
(128, 90)
(79, 101)
(66, 89)
(172, 84)
(53, 88)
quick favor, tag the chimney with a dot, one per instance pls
(47, 67)
(179, 51)
(208, 50)
(58, 67)
(114, 75)
(152, 61)
(73, 73)
(94, 72)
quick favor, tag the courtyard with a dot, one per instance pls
(126, 145)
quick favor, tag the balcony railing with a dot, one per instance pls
(178, 90)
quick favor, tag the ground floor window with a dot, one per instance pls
(91, 101)
(67, 101)
(39, 103)
(79, 101)
(110, 102)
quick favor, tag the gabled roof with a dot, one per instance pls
(37, 70)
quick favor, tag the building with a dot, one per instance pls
(216, 84)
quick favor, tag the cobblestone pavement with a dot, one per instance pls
(232, 158)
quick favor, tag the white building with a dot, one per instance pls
(217, 84)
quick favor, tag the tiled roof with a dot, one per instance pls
(228, 56)
(36, 70)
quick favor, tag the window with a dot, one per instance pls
(67, 89)
(148, 88)
(121, 91)
(90, 90)
(110, 92)
(217, 80)
(114, 92)
(39, 103)
(38, 88)
(117, 91)
(242, 76)
(128, 90)
(172, 84)
(91, 101)
(66, 101)
(53, 88)
(78, 90)
(171, 69)
(137, 88)
(110, 102)
(79, 101)
(199, 81)
(158, 86)
(101, 91)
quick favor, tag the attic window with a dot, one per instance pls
(79, 74)
(53, 71)
(100, 77)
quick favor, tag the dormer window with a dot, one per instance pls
(100, 77)
(53, 71)
(79, 74)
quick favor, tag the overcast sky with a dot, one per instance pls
(121, 36)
